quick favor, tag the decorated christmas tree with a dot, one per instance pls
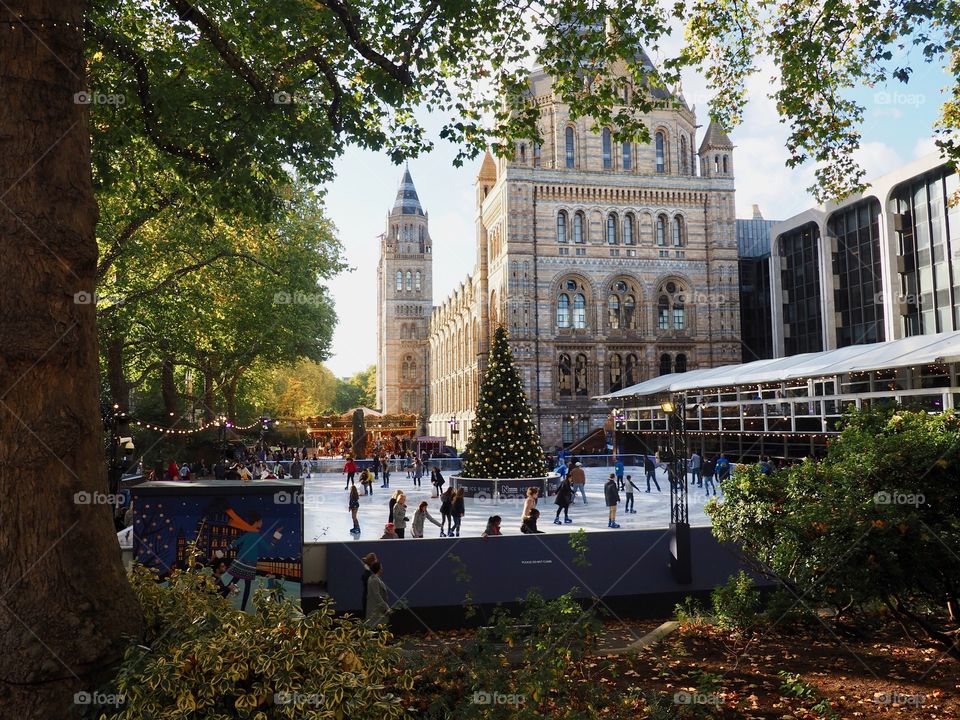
(505, 442)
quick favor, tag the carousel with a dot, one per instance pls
(362, 432)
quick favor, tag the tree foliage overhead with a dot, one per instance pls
(229, 91)
(504, 442)
(876, 521)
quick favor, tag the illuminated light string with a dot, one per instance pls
(201, 428)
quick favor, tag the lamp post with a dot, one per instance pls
(617, 419)
(676, 460)
(454, 430)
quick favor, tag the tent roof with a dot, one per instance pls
(367, 412)
(906, 352)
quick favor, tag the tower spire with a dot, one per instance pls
(407, 202)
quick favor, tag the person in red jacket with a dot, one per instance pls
(350, 468)
(173, 472)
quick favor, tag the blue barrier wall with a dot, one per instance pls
(440, 572)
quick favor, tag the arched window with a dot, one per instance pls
(523, 153)
(563, 311)
(627, 156)
(579, 311)
(633, 370)
(629, 312)
(580, 375)
(628, 229)
(661, 143)
(417, 281)
(683, 154)
(564, 384)
(570, 147)
(607, 149)
(536, 154)
(562, 226)
(409, 280)
(613, 312)
(612, 229)
(399, 280)
(671, 307)
(716, 164)
(578, 237)
(663, 312)
(725, 163)
(677, 231)
(680, 364)
(665, 364)
(616, 373)
(661, 230)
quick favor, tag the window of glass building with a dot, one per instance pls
(858, 300)
(800, 280)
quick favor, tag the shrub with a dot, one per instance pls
(203, 659)
(876, 522)
(736, 604)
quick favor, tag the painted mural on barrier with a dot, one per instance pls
(250, 533)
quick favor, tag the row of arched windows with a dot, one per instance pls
(414, 281)
(617, 232)
(622, 371)
(625, 151)
(622, 303)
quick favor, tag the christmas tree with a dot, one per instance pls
(505, 442)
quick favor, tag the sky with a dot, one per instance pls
(897, 129)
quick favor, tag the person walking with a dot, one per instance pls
(618, 470)
(376, 469)
(628, 507)
(446, 511)
(562, 500)
(378, 609)
(709, 469)
(459, 510)
(695, 466)
(350, 468)
(650, 468)
(354, 505)
(392, 504)
(417, 472)
(493, 527)
(386, 473)
(578, 481)
(419, 518)
(367, 560)
(529, 503)
(436, 479)
(612, 497)
(529, 524)
(400, 515)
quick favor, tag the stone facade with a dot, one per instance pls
(607, 263)
(404, 303)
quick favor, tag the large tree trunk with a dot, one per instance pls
(66, 605)
(230, 396)
(208, 413)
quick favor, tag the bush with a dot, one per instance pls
(203, 659)
(877, 522)
(736, 604)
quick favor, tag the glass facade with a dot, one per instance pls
(756, 322)
(800, 279)
(858, 287)
(928, 235)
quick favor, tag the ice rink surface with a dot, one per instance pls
(327, 519)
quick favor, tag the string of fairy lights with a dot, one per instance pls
(200, 428)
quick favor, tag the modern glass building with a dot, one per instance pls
(756, 323)
(878, 266)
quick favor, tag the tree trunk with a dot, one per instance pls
(230, 395)
(66, 605)
(168, 388)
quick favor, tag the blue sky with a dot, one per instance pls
(897, 129)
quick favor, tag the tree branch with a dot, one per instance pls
(351, 22)
(200, 20)
(127, 54)
(128, 231)
(138, 295)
